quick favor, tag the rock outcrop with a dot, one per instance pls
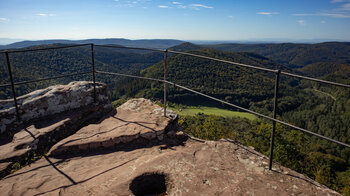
(136, 122)
(51, 100)
(48, 115)
(140, 152)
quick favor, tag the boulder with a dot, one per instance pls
(59, 118)
(49, 101)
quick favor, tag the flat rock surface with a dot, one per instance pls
(137, 118)
(184, 167)
(40, 135)
(23, 141)
(210, 168)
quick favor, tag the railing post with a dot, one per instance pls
(93, 70)
(274, 116)
(12, 85)
(165, 67)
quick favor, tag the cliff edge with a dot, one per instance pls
(138, 151)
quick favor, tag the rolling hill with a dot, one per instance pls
(151, 43)
(295, 55)
(41, 64)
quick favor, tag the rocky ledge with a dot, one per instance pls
(48, 115)
(138, 151)
(52, 100)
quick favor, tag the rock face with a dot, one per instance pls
(136, 121)
(49, 119)
(138, 152)
(49, 101)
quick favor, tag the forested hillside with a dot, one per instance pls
(233, 83)
(151, 43)
(320, 108)
(40, 64)
(295, 54)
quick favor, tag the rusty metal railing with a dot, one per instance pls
(277, 73)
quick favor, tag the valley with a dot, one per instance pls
(193, 110)
(316, 107)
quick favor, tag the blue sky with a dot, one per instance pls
(178, 19)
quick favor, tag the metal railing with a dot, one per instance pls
(277, 73)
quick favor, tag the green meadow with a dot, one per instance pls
(192, 110)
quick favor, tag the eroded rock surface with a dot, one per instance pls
(137, 120)
(49, 101)
(185, 166)
(38, 135)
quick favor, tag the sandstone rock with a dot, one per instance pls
(196, 168)
(173, 165)
(136, 119)
(51, 100)
(40, 134)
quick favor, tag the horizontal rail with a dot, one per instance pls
(188, 54)
(183, 87)
(49, 78)
(131, 76)
(38, 49)
(262, 68)
(258, 114)
(224, 61)
(230, 104)
(315, 79)
(125, 47)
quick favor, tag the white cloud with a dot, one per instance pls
(230, 16)
(336, 15)
(301, 22)
(4, 19)
(176, 3)
(339, 1)
(163, 6)
(341, 12)
(268, 13)
(44, 15)
(332, 15)
(197, 6)
(345, 7)
(304, 14)
(132, 3)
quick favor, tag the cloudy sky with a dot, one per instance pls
(180, 19)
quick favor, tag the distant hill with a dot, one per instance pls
(48, 63)
(324, 68)
(223, 80)
(149, 43)
(187, 46)
(295, 54)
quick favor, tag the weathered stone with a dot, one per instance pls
(194, 168)
(51, 100)
(181, 167)
(134, 119)
(40, 134)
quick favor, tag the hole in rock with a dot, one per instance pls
(150, 184)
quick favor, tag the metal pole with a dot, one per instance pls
(12, 85)
(274, 117)
(93, 70)
(165, 67)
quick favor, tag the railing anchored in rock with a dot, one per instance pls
(93, 71)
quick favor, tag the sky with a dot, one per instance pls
(178, 19)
